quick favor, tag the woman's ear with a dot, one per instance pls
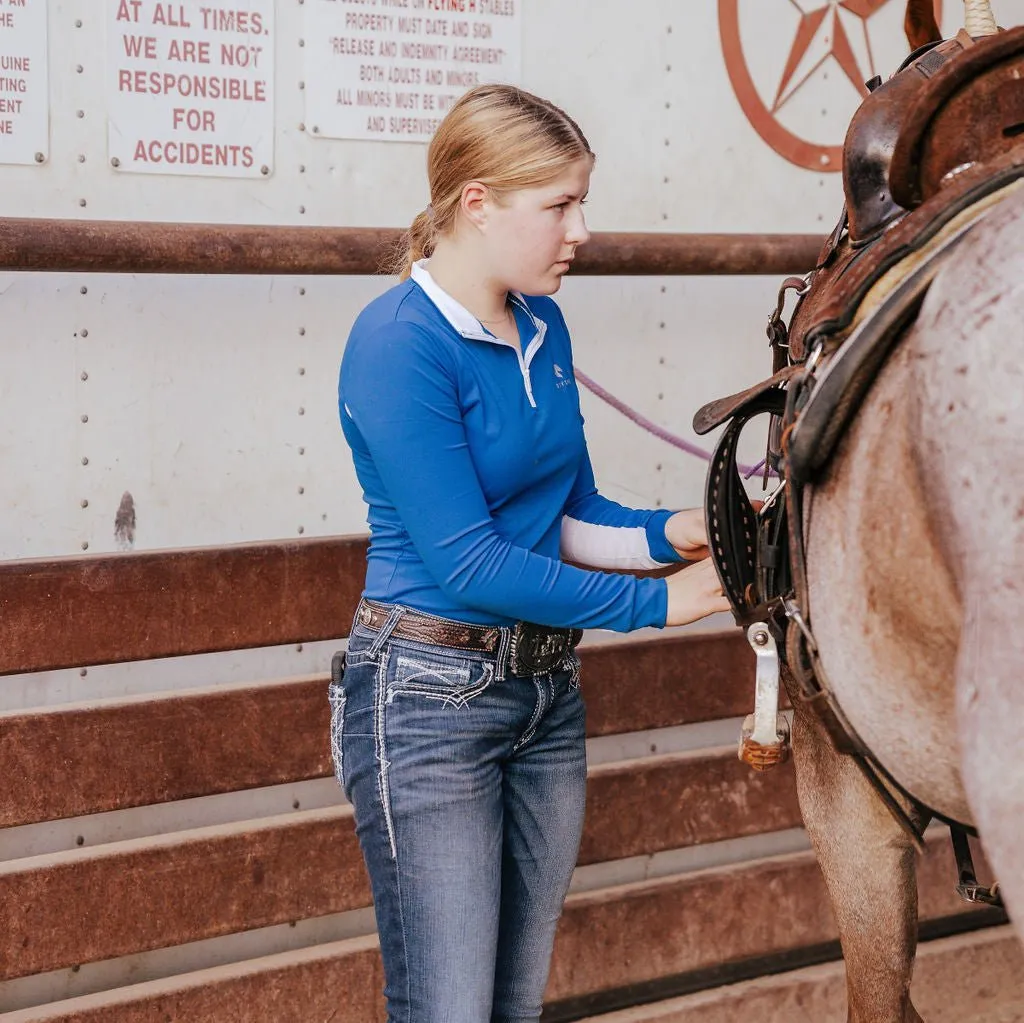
(474, 203)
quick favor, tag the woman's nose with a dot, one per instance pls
(577, 233)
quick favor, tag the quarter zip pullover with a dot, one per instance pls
(472, 458)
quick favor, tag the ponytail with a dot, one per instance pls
(417, 243)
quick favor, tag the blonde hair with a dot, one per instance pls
(503, 137)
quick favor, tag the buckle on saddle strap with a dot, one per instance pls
(968, 887)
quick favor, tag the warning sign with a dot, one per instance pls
(191, 87)
(24, 89)
(390, 69)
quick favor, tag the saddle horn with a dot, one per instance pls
(979, 19)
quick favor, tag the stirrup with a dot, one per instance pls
(764, 742)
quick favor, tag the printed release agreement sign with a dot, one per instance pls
(390, 69)
(24, 91)
(191, 86)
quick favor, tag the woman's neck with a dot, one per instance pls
(457, 273)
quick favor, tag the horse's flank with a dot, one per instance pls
(916, 550)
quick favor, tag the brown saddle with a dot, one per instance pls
(941, 133)
(925, 154)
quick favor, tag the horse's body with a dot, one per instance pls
(913, 525)
(916, 580)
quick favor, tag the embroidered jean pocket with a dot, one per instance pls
(572, 665)
(450, 680)
(336, 695)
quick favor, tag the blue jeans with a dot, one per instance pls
(468, 786)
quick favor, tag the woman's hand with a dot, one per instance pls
(688, 534)
(693, 593)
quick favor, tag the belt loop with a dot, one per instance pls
(386, 629)
(501, 656)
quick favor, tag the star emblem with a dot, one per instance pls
(835, 29)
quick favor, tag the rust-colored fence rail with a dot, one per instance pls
(99, 246)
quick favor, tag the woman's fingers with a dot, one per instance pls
(694, 593)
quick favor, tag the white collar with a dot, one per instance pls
(461, 319)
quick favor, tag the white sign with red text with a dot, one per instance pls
(390, 69)
(24, 89)
(191, 87)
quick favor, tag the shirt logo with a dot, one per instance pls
(560, 376)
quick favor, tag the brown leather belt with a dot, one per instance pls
(532, 649)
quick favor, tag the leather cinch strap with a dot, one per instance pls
(731, 520)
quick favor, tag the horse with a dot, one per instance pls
(905, 531)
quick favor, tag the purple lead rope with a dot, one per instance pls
(645, 424)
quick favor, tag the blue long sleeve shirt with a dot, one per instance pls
(475, 470)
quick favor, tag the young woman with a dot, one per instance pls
(458, 727)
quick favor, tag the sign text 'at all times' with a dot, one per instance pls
(198, 68)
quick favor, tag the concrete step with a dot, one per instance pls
(969, 978)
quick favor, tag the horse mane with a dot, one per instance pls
(920, 24)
